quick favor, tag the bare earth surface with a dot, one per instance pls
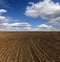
(29, 46)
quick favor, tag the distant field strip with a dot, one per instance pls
(29, 46)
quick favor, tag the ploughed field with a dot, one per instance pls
(29, 46)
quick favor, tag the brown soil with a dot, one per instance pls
(29, 46)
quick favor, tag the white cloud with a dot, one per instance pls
(16, 24)
(10, 29)
(46, 9)
(55, 20)
(4, 19)
(3, 10)
(26, 27)
(44, 27)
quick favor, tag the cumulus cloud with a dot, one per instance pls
(10, 29)
(4, 19)
(46, 9)
(3, 10)
(17, 26)
(24, 26)
(27, 29)
(44, 27)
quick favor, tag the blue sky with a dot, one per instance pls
(30, 15)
